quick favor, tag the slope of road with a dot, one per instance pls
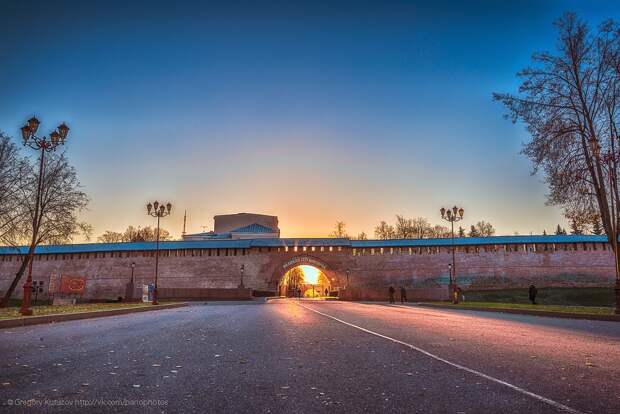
(282, 357)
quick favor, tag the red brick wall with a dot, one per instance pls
(205, 294)
(413, 294)
(107, 276)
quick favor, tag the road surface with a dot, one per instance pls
(304, 357)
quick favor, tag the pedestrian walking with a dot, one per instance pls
(403, 295)
(532, 293)
(391, 291)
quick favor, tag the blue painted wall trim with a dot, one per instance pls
(302, 242)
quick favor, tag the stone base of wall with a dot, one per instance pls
(204, 294)
(382, 295)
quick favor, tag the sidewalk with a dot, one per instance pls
(61, 317)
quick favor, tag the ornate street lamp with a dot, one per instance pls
(157, 210)
(42, 144)
(452, 215)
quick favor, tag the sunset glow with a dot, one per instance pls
(311, 274)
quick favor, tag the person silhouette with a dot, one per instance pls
(532, 293)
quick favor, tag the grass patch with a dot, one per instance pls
(597, 297)
(13, 312)
(588, 310)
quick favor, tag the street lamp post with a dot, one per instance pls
(157, 210)
(452, 215)
(129, 289)
(43, 144)
(241, 286)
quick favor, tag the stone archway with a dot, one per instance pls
(300, 260)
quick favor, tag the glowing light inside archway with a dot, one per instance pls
(311, 274)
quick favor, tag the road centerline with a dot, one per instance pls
(523, 391)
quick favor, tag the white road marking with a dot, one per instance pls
(535, 396)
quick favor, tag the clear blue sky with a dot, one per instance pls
(315, 112)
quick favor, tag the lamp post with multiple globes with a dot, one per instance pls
(157, 210)
(43, 144)
(452, 215)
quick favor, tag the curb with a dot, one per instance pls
(550, 314)
(61, 317)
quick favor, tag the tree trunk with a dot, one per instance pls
(5, 300)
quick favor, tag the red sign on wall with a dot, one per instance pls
(72, 285)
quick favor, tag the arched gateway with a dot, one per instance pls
(257, 265)
(302, 261)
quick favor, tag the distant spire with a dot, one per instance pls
(184, 222)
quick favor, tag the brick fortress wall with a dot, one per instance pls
(478, 267)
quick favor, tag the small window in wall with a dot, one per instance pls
(354, 251)
(286, 248)
(322, 248)
(313, 248)
(331, 248)
(304, 248)
(372, 252)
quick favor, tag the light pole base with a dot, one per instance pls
(454, 293)
(155, 297)
(25, 309)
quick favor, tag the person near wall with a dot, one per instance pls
(391, 291)
(532, 293)
(403, 295)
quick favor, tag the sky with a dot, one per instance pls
(312, 111)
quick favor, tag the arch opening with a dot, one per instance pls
(305, 281)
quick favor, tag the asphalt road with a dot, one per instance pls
(286, 357)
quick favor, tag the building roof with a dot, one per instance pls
(478, 241)
(254, 228)
(301, 242)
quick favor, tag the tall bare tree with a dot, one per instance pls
(484, 229)
(13, 173)
(422, 227)
(340, 231)
(362, 236)
(384, 231)
(404, 228)
(570, 102)
(133, 234)
(62, 198)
